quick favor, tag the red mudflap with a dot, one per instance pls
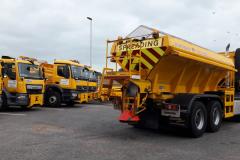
(127, 116)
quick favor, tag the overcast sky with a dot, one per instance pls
(58, 29)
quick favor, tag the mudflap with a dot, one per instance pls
(150, 119)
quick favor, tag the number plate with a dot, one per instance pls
(170, 113)
(36, 99)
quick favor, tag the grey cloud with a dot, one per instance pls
(59, 29)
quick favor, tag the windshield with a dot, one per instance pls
(86, 74)
(77, 72)
(92, 76)
(29, 71)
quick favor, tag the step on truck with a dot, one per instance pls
(168, 80)
(23, 83)
(109, 90)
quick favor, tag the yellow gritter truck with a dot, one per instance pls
(166, 79)
(23, 83)
(67, 81)
(64, 82)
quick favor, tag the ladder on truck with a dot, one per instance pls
(107, 82)
(105, 85)
(110, 75)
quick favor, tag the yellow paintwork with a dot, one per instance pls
(92, 84)
(21, 83)
(229, 103)
(52, 78)
(70, 62)
(107, 88)
(83, 97)
(168, 65)
(189, 50)
(36, 99)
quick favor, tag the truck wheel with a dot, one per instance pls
(53, 99)
(4, 102)
(198, 119)
(214, 116)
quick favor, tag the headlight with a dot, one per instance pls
(34, 87)
(22, 97)
(74, 94)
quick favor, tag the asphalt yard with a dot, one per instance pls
(91, 131)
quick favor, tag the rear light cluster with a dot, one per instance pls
(170, 106)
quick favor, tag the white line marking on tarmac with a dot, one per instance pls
(55, 109)
(13, 114)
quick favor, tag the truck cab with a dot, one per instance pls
(65, 81)
(23, 83)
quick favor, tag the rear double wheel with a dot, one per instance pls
(215, 116)
(198, 119)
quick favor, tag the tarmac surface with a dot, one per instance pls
(92, 132)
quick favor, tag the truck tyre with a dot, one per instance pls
(215, 116)
(197, 119)
(53, 99)
(4, 102)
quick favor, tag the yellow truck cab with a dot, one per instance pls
(23, 83)
(65, 81)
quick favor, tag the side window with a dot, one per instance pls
(63, 71)
(10, 70)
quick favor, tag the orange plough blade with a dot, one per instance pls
(127, 116)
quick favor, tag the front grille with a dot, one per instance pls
(82, 88)
(93, 88)
(34, 91)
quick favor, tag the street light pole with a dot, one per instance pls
(89, 18)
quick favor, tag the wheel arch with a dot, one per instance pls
(5, 92)
(53, 87)
(186, 100)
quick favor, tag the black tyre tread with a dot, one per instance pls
(58, 102)
(4, 103)
(210, 126)
(194, 132)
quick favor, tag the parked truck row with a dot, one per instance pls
(158, 79)
(28, 82)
